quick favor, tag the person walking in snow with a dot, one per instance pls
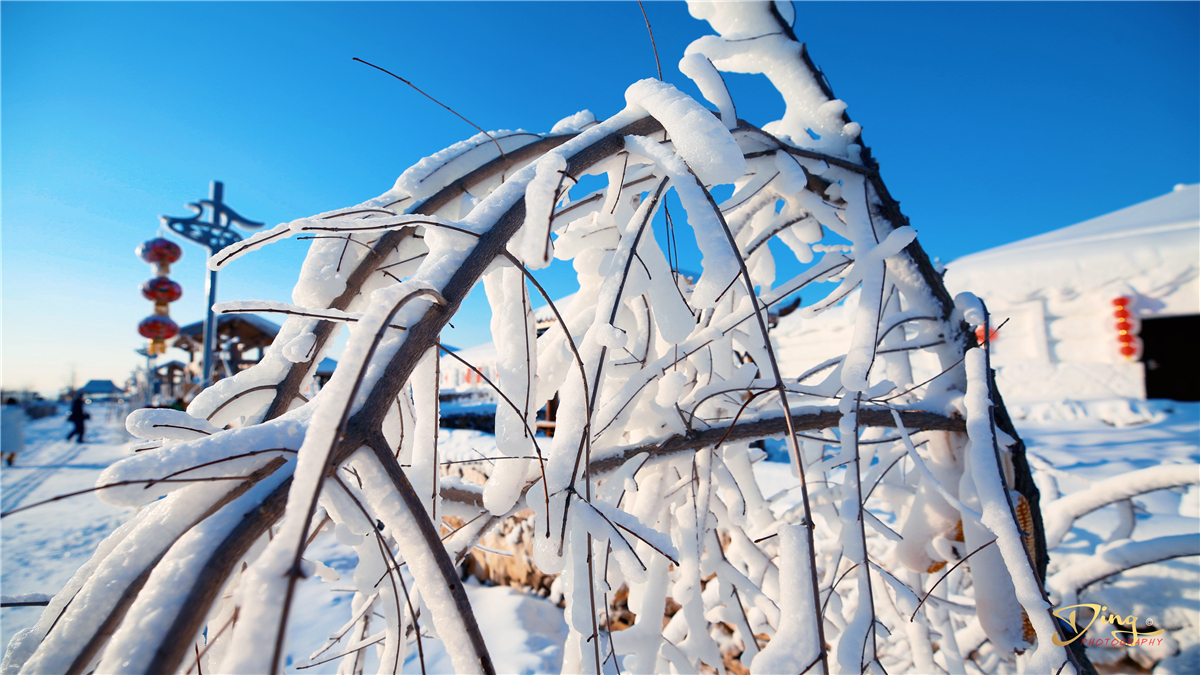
(77, 416)
(12, 430)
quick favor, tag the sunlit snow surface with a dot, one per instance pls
(44, 546)
(1071, 447)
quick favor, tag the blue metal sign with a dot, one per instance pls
(214, 236)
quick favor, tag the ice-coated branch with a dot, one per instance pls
(999, 514)
(663, 384)
(297, 374)
(743, 431)
(1061, 513)
(1117, 557)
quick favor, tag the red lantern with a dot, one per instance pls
(159, 250)
(161, 289)
(1127, 328)
(158, 327)
(161, 253)
(995, 333)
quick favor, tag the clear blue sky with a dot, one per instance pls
(992, 122)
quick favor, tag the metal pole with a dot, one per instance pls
(213, 236)
(210, 327)
(216, 192)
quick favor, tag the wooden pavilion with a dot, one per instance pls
(242, 340)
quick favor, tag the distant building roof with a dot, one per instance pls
(251, 330)
(99, 387)
(544, 313)
(196, 330)
(1151, 247)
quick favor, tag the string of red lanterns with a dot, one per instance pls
(1127, 328)
(159, 327)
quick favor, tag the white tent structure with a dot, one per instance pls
(1057, 292)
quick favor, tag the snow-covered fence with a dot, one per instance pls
(648, 482)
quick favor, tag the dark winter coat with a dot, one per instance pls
(77, 413)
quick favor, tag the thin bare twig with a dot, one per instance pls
(653, 44)
(121, 484)
(348, 652)
(232, 618)
(943, 578)
(435, 101)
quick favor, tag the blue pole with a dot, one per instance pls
(216, 193)
(213, 236)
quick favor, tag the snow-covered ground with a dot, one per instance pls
(1071, 446)
(1075, 446)
(44, 546)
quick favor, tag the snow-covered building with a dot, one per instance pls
(99, 390)
(174, 380)
(1057, 293)
(459, 379)
(238, 335)
(1062, 294)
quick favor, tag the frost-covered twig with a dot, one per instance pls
(147, 482)
(1061, 513)
(25, 600)
(435, 101)
(662, 385)
(772, 427)
(1117, 557)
